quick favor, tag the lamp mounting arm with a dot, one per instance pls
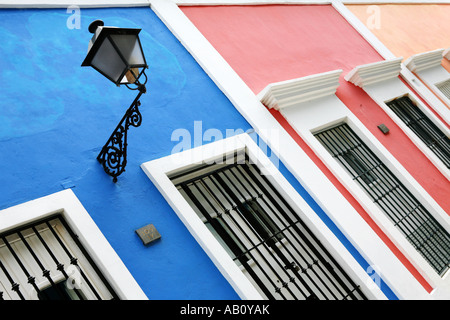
(113, 156)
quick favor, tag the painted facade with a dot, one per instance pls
(303, 46)
(209, 69)
(389, 22)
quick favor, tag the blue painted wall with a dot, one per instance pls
(55, 116)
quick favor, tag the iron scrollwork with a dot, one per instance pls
(113, 156)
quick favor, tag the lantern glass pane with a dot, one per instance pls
(108, 61)
(131, 75)
(130, 48)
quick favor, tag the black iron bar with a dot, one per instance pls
(423, 127)
(253, 225)
(59, 266)
(311, 245)
(45, 272)
(31, 280)
(232, 209)
(289, 225)
(14, 286)
(91, 262)
(73, 260)
(285, 259)
(226, 238)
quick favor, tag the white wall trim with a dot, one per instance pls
(446, 53)
(140, 3)
(371, 73)
(291, 92)
(90, 236)
(69, 3)
(383, 89)
(423, 61)
(428, 67)
(307, 118)
(158, 171)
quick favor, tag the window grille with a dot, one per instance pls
(423, 127)
(419, 227)
(262, 233)
(445, 88)
(45, 260)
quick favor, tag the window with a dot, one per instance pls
(50, 248)
(445, 88)
(425, 129)
(46, 261)
(262, 233)
(381, 81)
(402, 208)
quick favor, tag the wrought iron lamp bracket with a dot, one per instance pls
(113, 156)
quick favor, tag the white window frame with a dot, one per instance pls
(159, 171)
(380, 80)
(72, 211)
(428, 67)
(314, 114)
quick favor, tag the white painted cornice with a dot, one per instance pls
(374, 72)
(446, 54)
(425, 60)
(291, 92)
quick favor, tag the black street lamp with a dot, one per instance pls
(117, 54)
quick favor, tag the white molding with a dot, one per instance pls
(385, 88)
(141, 3)
(423, 61)
(291, 92)
(159, 169)
(428, 67)
(310, 117)
(371, 73)
(246, 2)
(70, 3)
(104, 256)
(446, 53)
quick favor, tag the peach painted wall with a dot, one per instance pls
(271, 43)
(408, 29)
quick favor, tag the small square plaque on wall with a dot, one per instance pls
(383, 128)
(148, 234)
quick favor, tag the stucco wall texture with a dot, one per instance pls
(55, 116)
(271, 43)
(407, 29)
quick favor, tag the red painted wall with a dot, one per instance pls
(271, 43)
